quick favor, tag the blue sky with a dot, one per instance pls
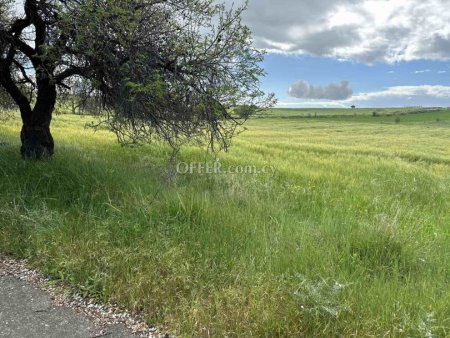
(336, 53)
(283, 70)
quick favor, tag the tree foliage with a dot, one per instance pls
(169, 69)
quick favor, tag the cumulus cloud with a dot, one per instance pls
(304, 90)
(368, 31)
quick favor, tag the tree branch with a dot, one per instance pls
(8, 83)
(24, 73)
(71, 71)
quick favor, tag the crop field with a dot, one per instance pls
(347, 234)
(345, 112)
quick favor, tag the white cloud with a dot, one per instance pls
(422, 71)
(398, 96)
(439, 92)
(442, 71)
(311, 104)
(364, 30)
(304, 90)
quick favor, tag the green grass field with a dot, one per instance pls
(349, 237)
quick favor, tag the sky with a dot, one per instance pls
(338, 53)
(368, 53)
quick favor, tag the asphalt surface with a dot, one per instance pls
(27, 312)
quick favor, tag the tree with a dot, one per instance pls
(167, 69)
(6, 102)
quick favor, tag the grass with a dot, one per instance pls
(345, 112)
(349, 237)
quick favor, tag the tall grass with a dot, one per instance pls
(350, 236)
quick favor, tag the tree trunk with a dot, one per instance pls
(37, 141)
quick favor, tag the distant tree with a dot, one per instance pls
(6, 102)
(353, 107)
(169, 69)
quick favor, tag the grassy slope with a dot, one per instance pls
(350, 236)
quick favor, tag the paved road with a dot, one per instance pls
(26, 312)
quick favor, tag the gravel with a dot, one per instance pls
(101, 315)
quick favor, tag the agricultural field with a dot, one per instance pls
(346, 112)
(347, 235)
